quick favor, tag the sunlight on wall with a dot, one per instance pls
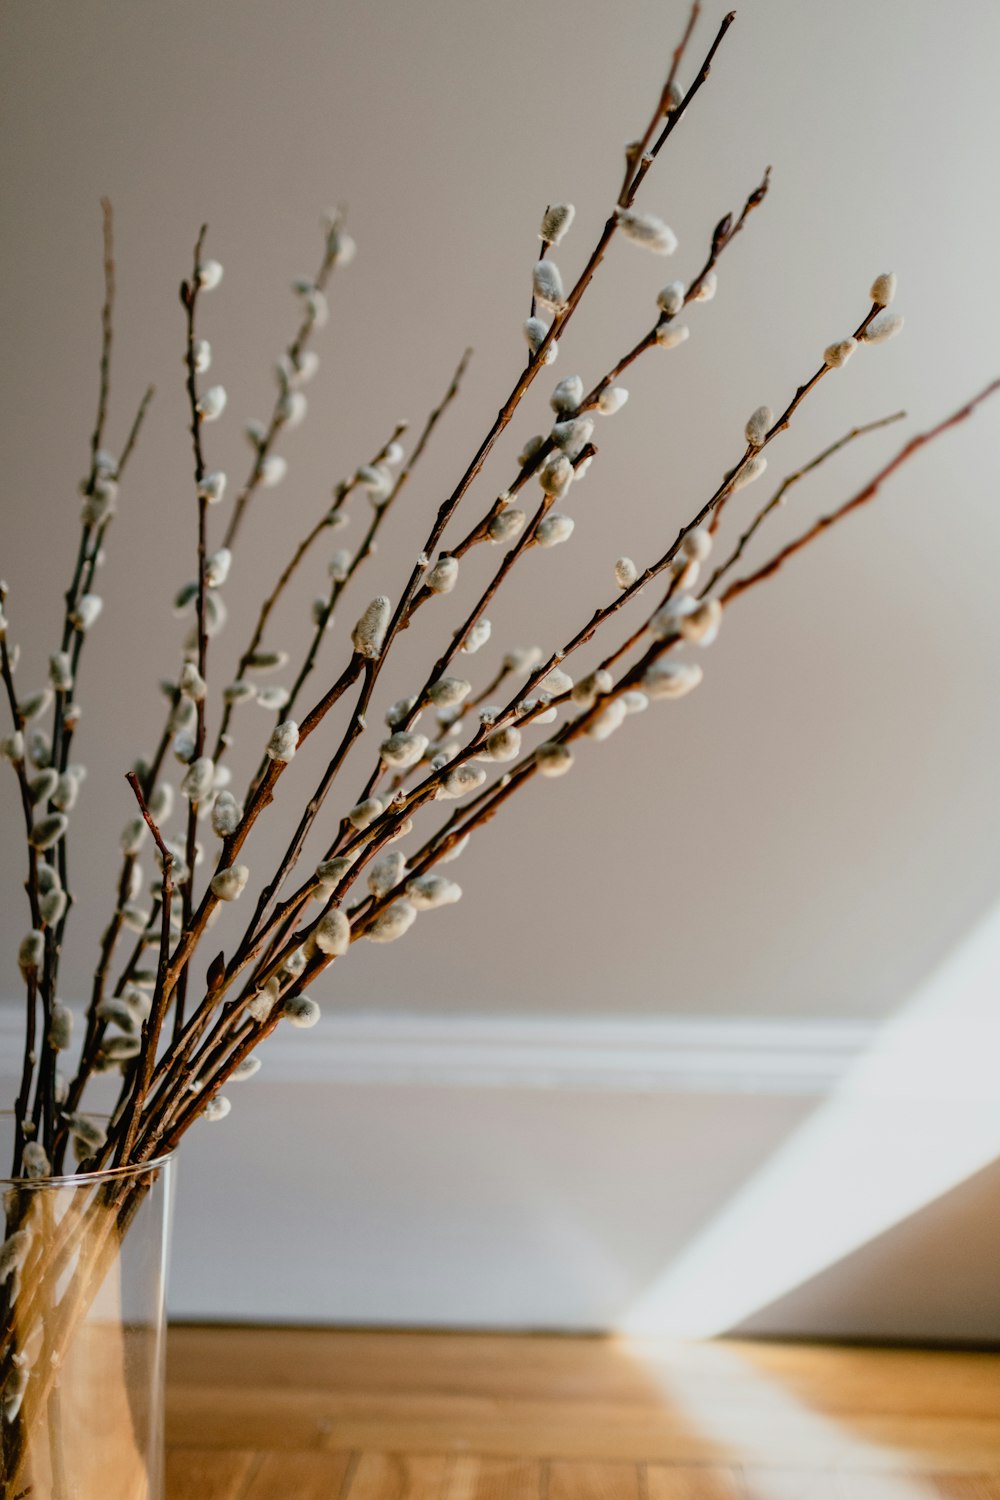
(917, 1114)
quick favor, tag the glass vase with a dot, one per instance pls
(82, 1315)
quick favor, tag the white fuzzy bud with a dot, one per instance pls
(534, 331)
(332, 934)
(506, 525)
(339, 565)
(61, 672)
(697, 543)
(671, 299)
(670, 335)
(209, 275)
(42, 786)
(300, 1011)
(586, 692)
(39, 745)
(35, 704)
(477, 637)
(553, 759)
(706, 288)
(702, 624)
(192, 684)
(183, 717)
(836, 355)
(556, 220)
(212, 403)
(547, 285)
(394, 454)
(553, 529)
(376, 481)
(120, 1048)
(368, 635)
(331, 872)
(443, 577)
(48, 831)
(685, 571)
(293, 408)
(133, 836)
(217, 1108)
(534, 445)
(612, 399)
(238, 692)
(626, 572)
(217, 567)
(386, 872)
(161, 801)
(273, 470)
(12, 747)
(393, 922)
(567, 395)
(456, 850)
(255, 432)
(263, 1002)
(201, 356)
(31, 952)
(230, 884)
(402, 750)
(573, 435)
(284, 741)
(397, 713)
(607, 720)
(750, 471)
(556, 475)
(671, 679)
(273, 698)
(634, 701)
(363, 814)
(60, 1032)
(646, 230)
(448, 691)
(198, 779)
(554, 683)
(213, 487)
(245, 1069)
(460, 781)
(86, 611)
(67, 789)
(426, 892)
(885, 325)
(504, 744)
(266, 661)
(758, 426)
(522, 658)
(53, 907)
(884, 288)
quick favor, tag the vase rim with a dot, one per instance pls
(82, 1179)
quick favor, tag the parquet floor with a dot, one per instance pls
(295, 1414)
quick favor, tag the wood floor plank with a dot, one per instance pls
(194, 1474)
(475, 1478)
(693, 1482)
(792, 1484)
(593, 1481)
(304, 1476)
(398, 1476)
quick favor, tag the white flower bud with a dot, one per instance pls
(635, 702)
(133, 836)
(120, 1048)
(332, 934)
(393, 922)
(245, 1069)
(61, 672)
(363, 814)
(443, 577)
(217, 1108)
(201, 356)
(12, 747)
(685, 571)
(534, 445)
(586, 692)
(255, 432)
(612, 399)
(607, 721)
(377, 482)
(386, 872)
(567, 395)
(504, 744)
(99, 504)
(368, 635)
(230, 884)
(31, 952)
(192, 684)
(522, 658)
(884, 288)
(428, 891)
(284, 741)
(67, 790)
(706, 288)
(48, 831)
(448, 691)
(273, 698)
(477, 637)
(35, 704)
(263, 1002)
(331, 872)
(702, 624)
(42, 786)
(300, 1011)
(293, 408)
(534, 331)
(836, 355)
(669, 679)
(60, 1032)
(460, 781)
(273, 470)
(553, 759)
(670, 335)
(556, 220)
(212, 403)
(885, 325)
(213, 487)
(198, 778)
(573, 435)
(209, 275)
(553, 529)
(697, 543)
(750, 471)
(339, 565)
(53, 908)
(626, 572)
(646, 230)
(506, 525)
(266, 661)
(86, 611)
(40, 745)
(671, 299)
(183, 717)
(402, 750)
(547, 285)
(758, 426)
(238, 692)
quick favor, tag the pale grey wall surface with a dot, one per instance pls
(817, 825)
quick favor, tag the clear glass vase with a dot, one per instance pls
(82, 1316)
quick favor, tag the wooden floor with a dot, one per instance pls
(280, 1414)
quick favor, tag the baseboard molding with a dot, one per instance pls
(632, 1055)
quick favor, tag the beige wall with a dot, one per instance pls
(818, 824)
